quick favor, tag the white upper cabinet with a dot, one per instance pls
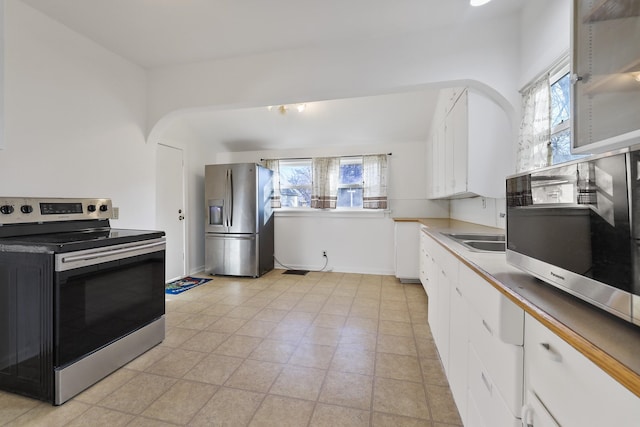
(470, 146)
(605, 74)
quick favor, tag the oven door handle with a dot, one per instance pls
(97, 257)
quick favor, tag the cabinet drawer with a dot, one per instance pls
(574, 390)
(473, 413)
(535, 414)
(503, 362)
(501, 316)
(484, 401)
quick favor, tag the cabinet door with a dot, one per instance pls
(439, 162)
(430, 176)
(441, 334)
(406, 251)
(424, 259)
(458, 349)
(447, 269)
(574, 390)
(431, 285)
(488, 403)
(449, 155)
(606, 60)
(458, 122)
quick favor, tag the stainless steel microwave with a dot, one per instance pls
(577, 226)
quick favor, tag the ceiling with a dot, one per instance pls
(392, 118)
(159, 33)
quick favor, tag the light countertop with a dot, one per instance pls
(611, 343)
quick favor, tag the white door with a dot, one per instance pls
(170, 215)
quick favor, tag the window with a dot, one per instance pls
(298, 182)
(350, 183)
(295, 183)
(560, 109)
(545, 133)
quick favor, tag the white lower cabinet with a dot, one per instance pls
(442, 270)
(447, 268)
(565, 388)
(495, 354)
(423, 257)
(478, 334)
(496, 328)
(492, 410)
(504, 367)
(458, 349)
(406, 251)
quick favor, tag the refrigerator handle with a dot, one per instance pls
(225, 220)
(230, 205)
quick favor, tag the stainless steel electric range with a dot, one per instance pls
(78, 299)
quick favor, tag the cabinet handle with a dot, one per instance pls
(486, 326)
(458, 291)
(551, 353)
(443, 273)
(486, 382)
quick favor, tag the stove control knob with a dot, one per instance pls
(91, 208)
(6, 209)
(104, 208)
(26, 209)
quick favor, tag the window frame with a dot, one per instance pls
(309, 187)
(360, 185)
(555, 75)
(304, 210)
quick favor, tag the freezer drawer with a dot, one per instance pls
(232, 254)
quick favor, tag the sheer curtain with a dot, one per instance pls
(374, 175)
(534, 144)
(325, 174)
(274, 165)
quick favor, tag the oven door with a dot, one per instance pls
(104, 294)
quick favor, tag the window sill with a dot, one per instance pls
(332, 213)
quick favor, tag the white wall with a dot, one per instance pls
(482, 56)
(485, 55)
(546, 36)
(75, 119)
(355, 242)
(76, 113)
(545, 27)
(480, 210)
(195, 157)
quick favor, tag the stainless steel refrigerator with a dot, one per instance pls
(239, 225)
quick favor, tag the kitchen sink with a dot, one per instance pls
(480, 242)
(477, 236)
(485, 246)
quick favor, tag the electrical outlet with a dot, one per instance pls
(324, 254)
(115, 213)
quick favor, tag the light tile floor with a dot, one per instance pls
(325, 349)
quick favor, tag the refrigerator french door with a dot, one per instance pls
(239, 220)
